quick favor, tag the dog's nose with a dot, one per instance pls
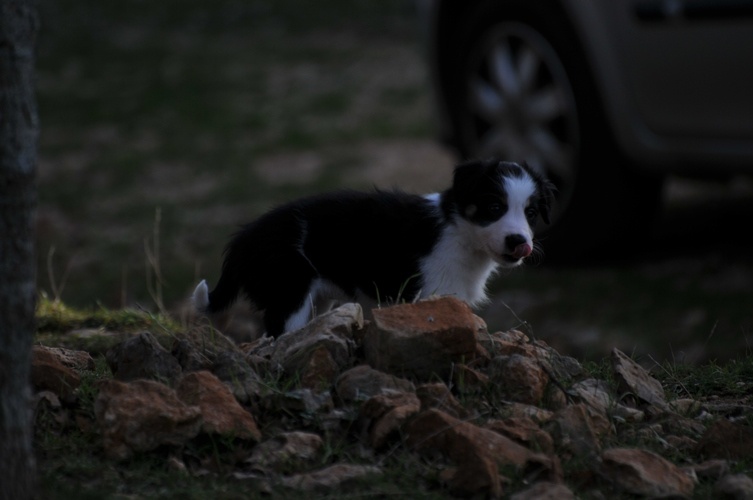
(517, 246)
(513, 240)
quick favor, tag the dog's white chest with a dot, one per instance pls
(454, 268)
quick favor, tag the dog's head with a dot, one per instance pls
(497, 204)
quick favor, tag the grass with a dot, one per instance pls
(96, 329)
(729, 381)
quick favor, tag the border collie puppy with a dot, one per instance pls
(301, 258)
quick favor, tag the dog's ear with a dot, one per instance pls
(465, 173)
(546, 197)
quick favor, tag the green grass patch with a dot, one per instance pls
(96, 330)
(730, 380)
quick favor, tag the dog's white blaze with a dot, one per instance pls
(519, 192)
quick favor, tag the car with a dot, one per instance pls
(605, 97)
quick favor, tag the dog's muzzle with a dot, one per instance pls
(518, 248)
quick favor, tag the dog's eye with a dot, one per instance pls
(495, 208)
(531, 213)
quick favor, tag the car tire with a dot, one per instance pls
(602, 204)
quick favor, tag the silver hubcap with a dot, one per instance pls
(521, 106)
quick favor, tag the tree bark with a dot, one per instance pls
(18, 158)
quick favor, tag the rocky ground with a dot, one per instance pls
(421, 400)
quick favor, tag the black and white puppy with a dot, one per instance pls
(301, 258)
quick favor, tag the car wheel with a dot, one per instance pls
(520, 89)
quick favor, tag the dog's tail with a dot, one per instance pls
(219, 299)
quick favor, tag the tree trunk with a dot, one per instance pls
(18, 157)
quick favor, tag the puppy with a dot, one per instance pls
(382, 247)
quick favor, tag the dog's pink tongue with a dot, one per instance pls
(522, 251)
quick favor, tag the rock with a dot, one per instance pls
(319, 370)
(594, 393)
(641, 472)
(476, 452)
(477, 477)
(506, 344)
(711, 469)
(262, 347)
(286, 449)
(519, 378)
(49, 414)
(469, 380)
(362, 382)
(561, 367)
(191, 358)
(438, 396)
(258, 346)
(538, 415)
(383, 415)
(258, 353)
(175, 464)
(687, 407)
(299, 401)
(233, 370)
(141, 415)
(49, 373)
(515, 342)
(578, 429)
(317, 353)
(337, 420)
(257, 483)
(525, 431)
(633, 378)
(423, 339)
(77, 360)
(680, 443)
(734, 486)
(649, 433)
(555, 398)
(142, 356)
(333, 478)
(197, 347)
(727, 440)
(621, 413)
(730, 410)
(544, 491)
(673, 423)
(221, 412)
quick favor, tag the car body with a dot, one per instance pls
(607, 97)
